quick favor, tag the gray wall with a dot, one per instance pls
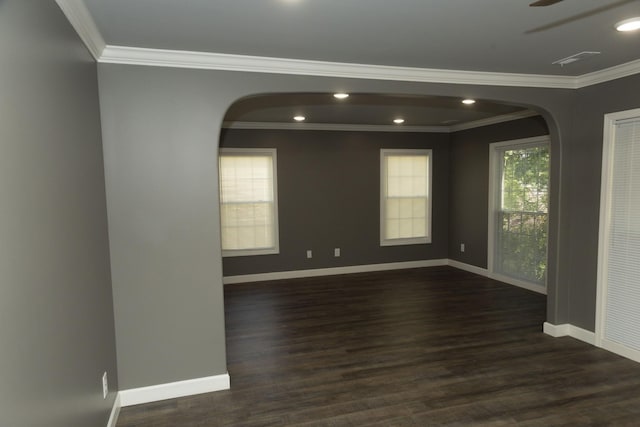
(56, 310)
(469, 184)
(583, 163)
(329, 196)
(161, 134)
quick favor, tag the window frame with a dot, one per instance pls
(384, 152)
(495, 206)
(252, 152)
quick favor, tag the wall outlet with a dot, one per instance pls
(461, 247)
(105, 386)
(336, 252)
(309, 254)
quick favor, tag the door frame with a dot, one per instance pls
(609, 134)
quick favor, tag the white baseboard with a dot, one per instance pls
(296, 274)
(468, 267)
(115, 411)
(137, 396)
(568, 330)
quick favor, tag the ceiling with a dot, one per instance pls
(365, 109)
(504, 36)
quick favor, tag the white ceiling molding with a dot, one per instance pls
(334, 127)
(260, 64)
(379, 128)
(606, 75)
(494, 120)
(80, 18)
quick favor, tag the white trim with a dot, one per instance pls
(77, 13)
(318, 272)
(494, 120)
(82, 21)
(608, 74)
(384, 153)
(494, 162)
(519, 283)
(568, 330)
(380, 128)
(115, 412)
(468, 267)
(154, 393)
(261, 64)
(556, 331)
(272, 153)
(603, 234)
(334, 127)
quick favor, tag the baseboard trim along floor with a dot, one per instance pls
(154, 393)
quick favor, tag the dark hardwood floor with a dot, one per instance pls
(435, 346)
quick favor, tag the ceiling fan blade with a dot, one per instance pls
(544, 3)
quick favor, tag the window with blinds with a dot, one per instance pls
(248, 202)
(405, 200)
(619, 256)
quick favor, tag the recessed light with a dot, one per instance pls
(341, 95)
(468, 101)
(299, 118)
(632, 24)
(398, 121)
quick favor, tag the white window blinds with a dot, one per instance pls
(622, 275)
(405, 197)
(248, 208)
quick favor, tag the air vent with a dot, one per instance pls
(573, 58)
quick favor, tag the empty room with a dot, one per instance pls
(294, 212)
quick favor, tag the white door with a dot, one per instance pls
(618, 297)
(519, 212)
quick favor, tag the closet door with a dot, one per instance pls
(618, 300)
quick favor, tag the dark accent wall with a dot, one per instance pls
(56, 307)
(469, 184)
(329, 197)
(583, 164)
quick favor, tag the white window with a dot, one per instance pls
(405, 197)
(518, 212)
(248, 201)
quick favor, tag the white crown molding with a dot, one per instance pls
(333, 127)
(82, 21)
(260, 64)
(379, 128)
(608, 74)
(494, 120)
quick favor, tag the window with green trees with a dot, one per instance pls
(522, 215)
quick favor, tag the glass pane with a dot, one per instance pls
(246, 195)
(521, 235)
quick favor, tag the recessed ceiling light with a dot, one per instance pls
(468, 101)
(398, 121)
(341, 95)
(299, 118)
(629, 24)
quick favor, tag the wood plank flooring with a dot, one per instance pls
(422, 347)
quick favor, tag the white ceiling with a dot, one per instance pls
(504, 36)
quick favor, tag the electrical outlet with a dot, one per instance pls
(309, 254)
(461, 247)
(105, 386)
(336, 252)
